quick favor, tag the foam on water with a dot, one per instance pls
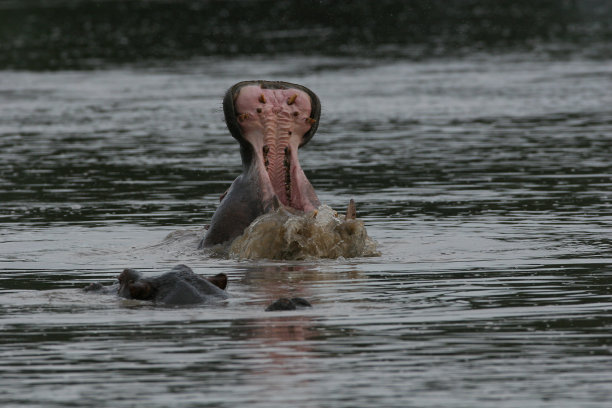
(316, 234)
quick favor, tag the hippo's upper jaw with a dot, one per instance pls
(270, 120)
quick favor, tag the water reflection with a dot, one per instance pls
(283, 349)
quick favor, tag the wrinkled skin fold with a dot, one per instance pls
(271, 120)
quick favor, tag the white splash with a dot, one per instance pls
(317, 234)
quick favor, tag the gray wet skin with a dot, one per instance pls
(270, 120)
(288, 304)
(180, 286)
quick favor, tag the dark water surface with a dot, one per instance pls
(486, 180)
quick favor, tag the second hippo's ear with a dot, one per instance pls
(140, 290)
(219, 280)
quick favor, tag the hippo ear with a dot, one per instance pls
(219, 280)
(140, 290)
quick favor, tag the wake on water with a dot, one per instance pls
(279, 234)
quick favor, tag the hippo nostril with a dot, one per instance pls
(258, 110)
(296, 113)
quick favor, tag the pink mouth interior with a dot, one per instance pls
(274, 121)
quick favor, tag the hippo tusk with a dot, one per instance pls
(351, 211)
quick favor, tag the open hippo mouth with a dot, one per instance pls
(270, 120)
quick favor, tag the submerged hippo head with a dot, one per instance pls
(180, 286)
(270, 120)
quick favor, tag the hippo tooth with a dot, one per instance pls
(262, 98)
(266, 149)
(287, 165)
(351, 211)
(291, 100)
(223, 195)
(311, 121)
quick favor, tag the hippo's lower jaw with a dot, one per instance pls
(270, 120)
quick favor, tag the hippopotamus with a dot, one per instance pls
(288, 304)
(271, 120)
(180, 286)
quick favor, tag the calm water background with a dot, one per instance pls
(484, 173)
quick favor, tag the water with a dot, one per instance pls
(485, 179)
